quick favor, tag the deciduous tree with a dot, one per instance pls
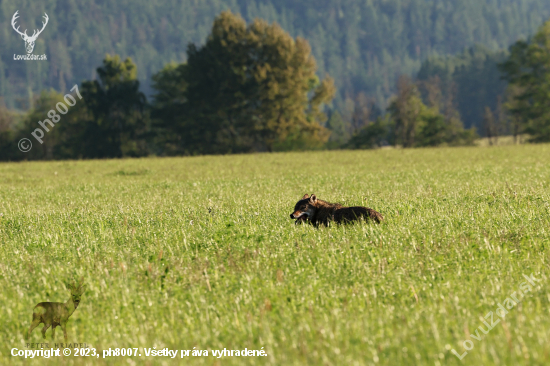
(247, 89)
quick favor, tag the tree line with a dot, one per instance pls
(254, 87)
(363, 44)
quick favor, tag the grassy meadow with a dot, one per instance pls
(200, 252)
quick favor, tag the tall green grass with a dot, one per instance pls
(201, 252)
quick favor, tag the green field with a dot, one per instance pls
(201, 252)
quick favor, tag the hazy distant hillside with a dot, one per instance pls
(363, 44)
(474, 79)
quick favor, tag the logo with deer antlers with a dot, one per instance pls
(29, 41)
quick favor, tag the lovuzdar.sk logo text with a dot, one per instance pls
(29, 40)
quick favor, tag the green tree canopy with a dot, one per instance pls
(412, 123)
(247, 89)
(111, 116)
(407, 113)
(528, 72)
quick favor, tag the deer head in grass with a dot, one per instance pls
(29, 40)
(56, 313)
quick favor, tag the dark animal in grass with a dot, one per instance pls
(319, 212)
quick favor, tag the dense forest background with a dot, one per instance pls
(363, 45)
(453, 47)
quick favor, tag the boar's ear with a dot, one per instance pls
(313, 198)
(305, 197)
